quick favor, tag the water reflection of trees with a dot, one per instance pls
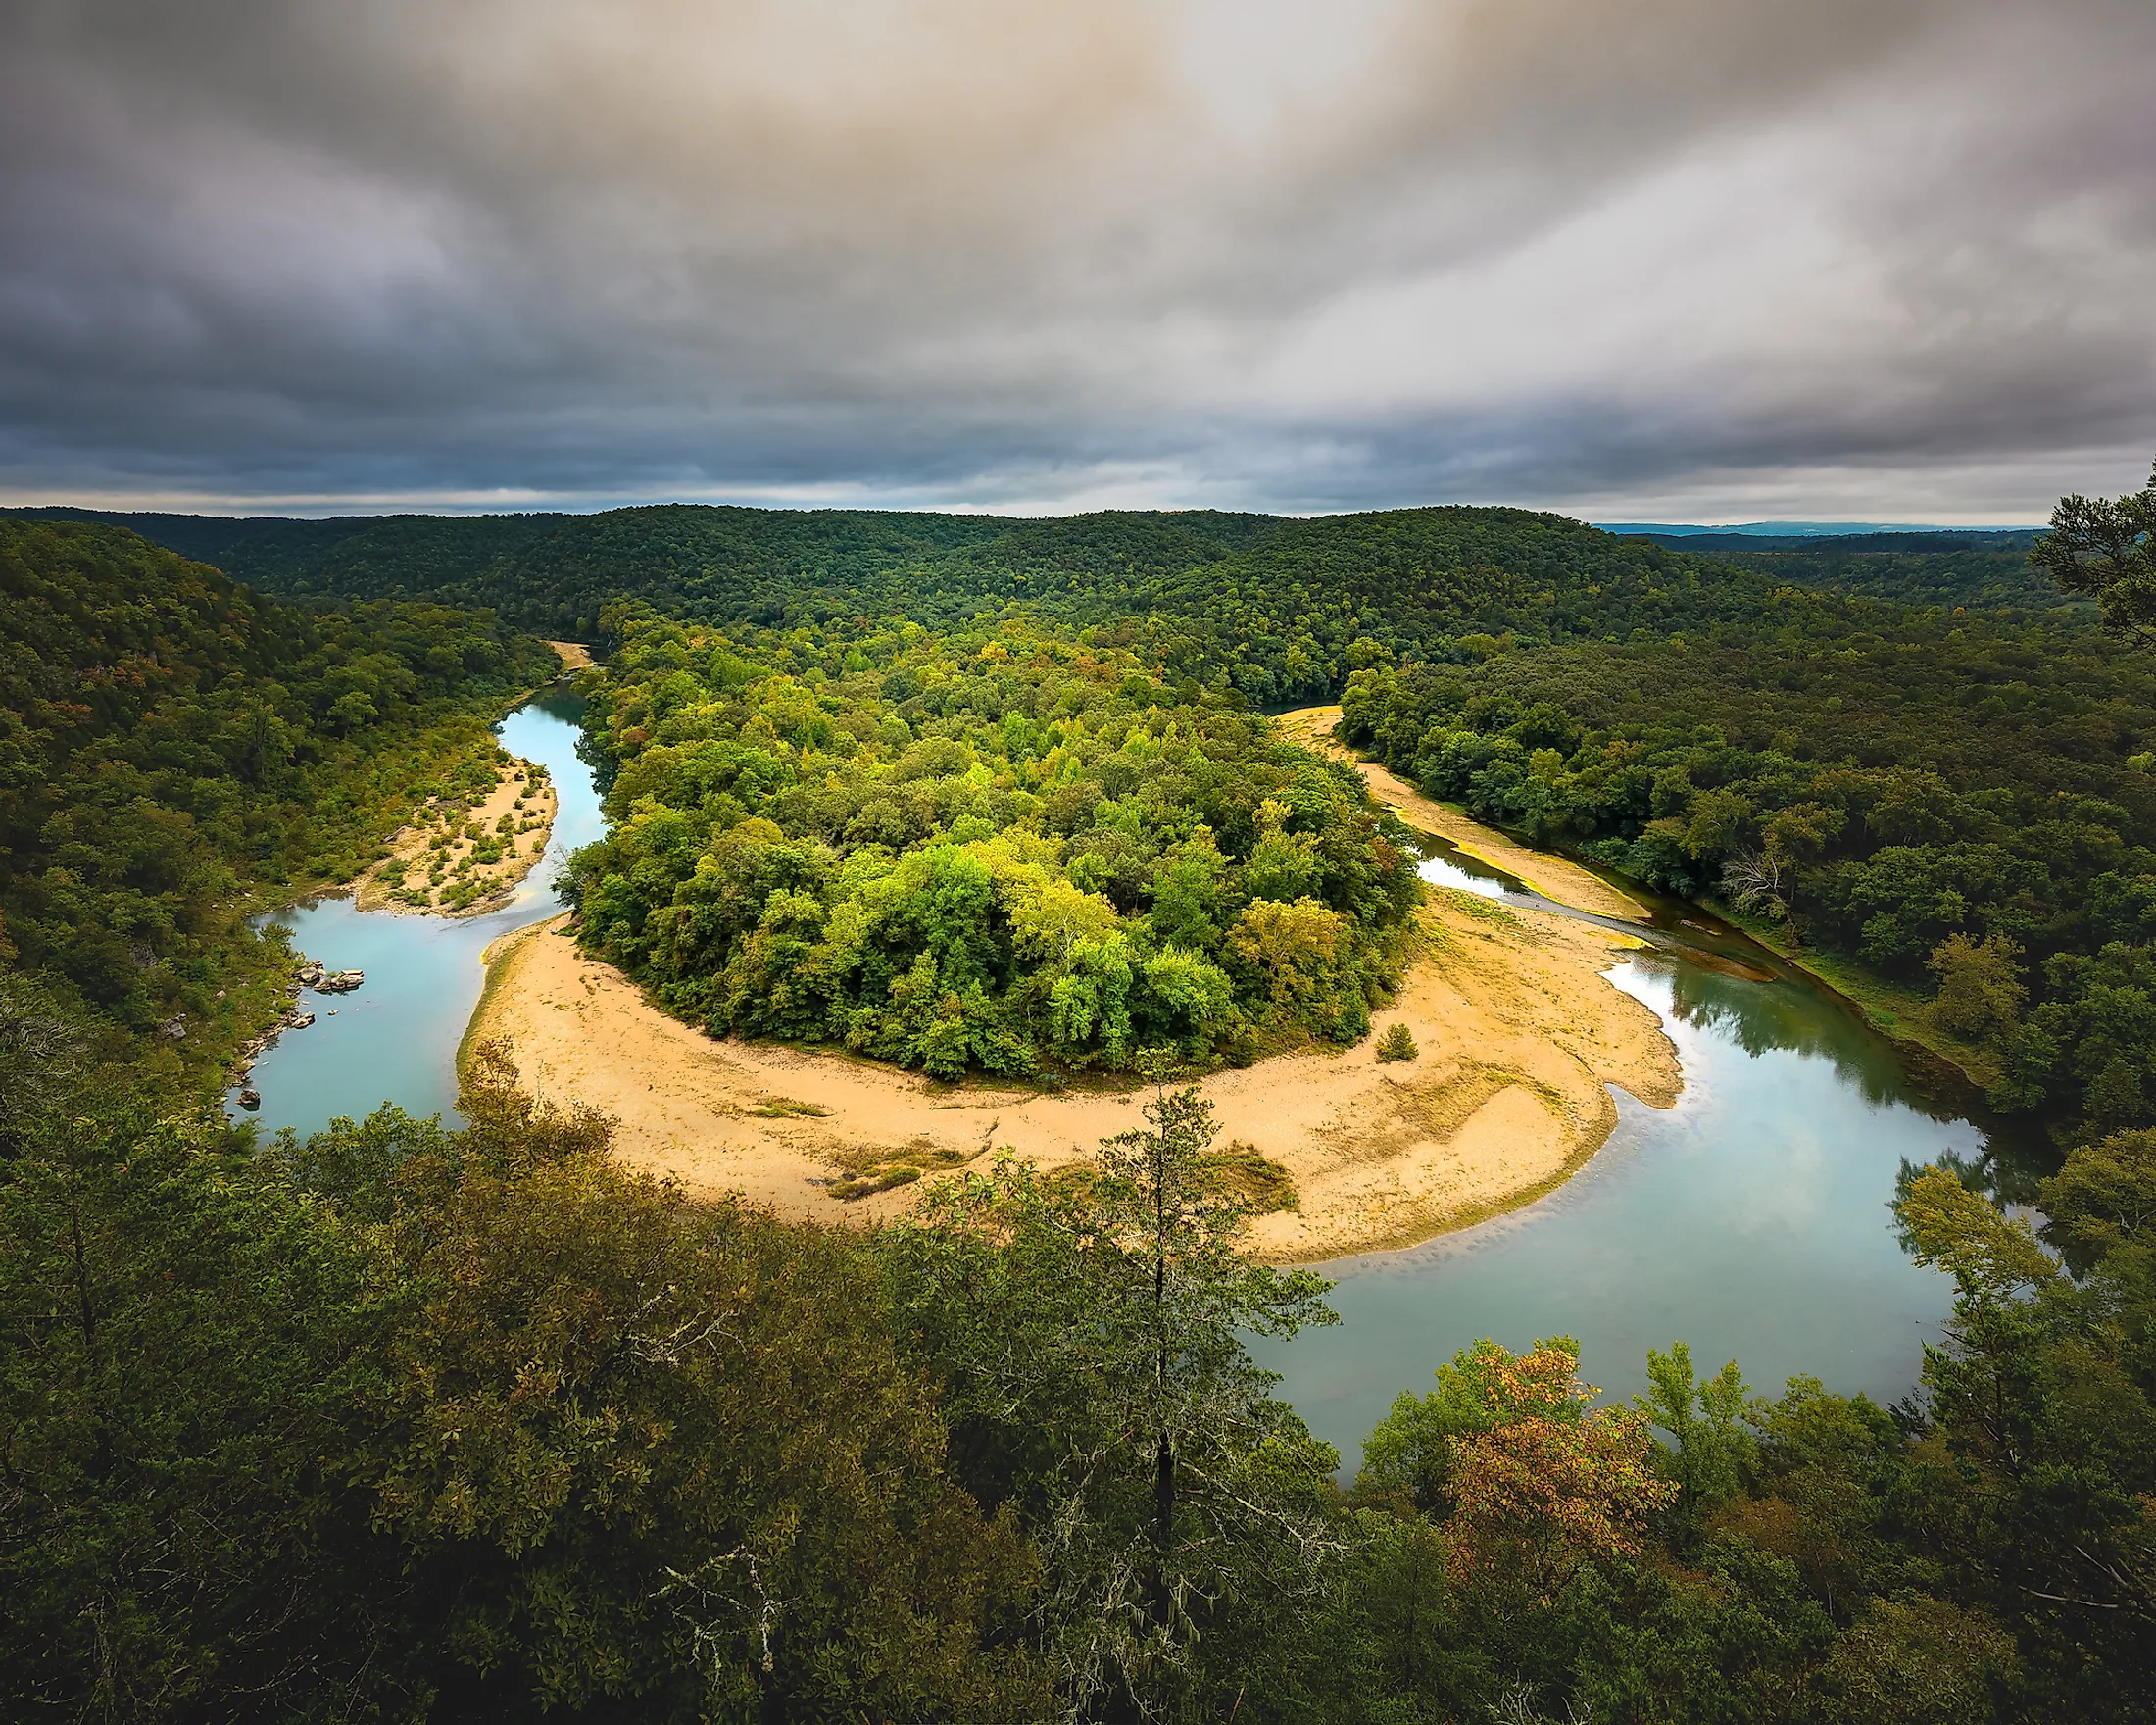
(1761, 1018)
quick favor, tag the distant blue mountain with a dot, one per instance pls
(1793, 529)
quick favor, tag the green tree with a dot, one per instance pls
(2106, 549)
(1980, 990)
(1089, 1332)
(1705, 1419)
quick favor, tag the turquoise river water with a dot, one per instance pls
(394, 1039)
(1750, 1221)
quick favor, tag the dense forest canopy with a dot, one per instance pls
(171, 743)
(997, 848)
(408, 1423)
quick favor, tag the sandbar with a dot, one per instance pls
(1519, 1035)
(1555, 877)
(522, 797)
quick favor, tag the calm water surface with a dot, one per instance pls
(394, 1039)
(1751, 1219)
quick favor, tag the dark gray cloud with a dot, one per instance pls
(1698, 258)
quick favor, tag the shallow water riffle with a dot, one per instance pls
(1751, 1221)
(395, 1038)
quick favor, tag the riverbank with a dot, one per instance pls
(1518, 1031)
(465, 853)
(463, 856)
(1898, 1013)
(1555, 877)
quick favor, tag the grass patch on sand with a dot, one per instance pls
(868, 1172)
(1257, 1179)
(1472, 906)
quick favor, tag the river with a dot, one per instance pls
(394, 1039)
(1750, 1221)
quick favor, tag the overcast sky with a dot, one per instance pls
(1676, 260)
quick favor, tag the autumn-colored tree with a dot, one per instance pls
(1531, 1480)
(1554, 1486)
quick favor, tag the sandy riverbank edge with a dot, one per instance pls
(409, 844)
(1519, 1031)
(1555, 877)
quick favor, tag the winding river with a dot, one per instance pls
(1750, 1221)
(395, 1038)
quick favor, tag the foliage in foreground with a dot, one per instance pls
(442, 1425)
(995, 849)
(411, 1423)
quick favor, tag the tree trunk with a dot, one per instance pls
(1163, 1517)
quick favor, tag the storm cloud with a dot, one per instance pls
(1671, 259)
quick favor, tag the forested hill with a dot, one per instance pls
(1273, 606)
(173, 744)
(1980, 571)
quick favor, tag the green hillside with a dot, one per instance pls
(175, 749)
(989, 848)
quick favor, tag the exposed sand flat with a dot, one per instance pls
(1552, 876)
(1518, 1033)
(384, 888)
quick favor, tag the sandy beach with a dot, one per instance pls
(1518, 1035)
(1553, 876)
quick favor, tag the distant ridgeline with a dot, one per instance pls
(1981, 570)
(173, 745)
(1277, 607)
